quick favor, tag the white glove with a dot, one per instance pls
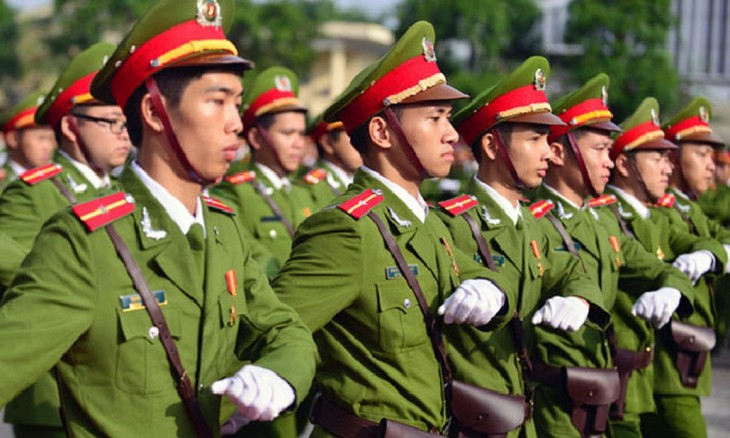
(657, 306)
(474, 302)
(234, 423)
(695, 264)
(259, 393)
(727, 251)
(562, 313)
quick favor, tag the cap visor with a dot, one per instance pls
(438, 92)
(605, 126)
(202, 59)
(656, 144)
(544, 118)
(705, 138)
(296, 107)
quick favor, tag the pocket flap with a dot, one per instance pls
(592, 386)
(693, 338)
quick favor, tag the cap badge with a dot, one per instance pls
(654, 117)
(209, 13)
(704, 115)
(40, 100)
(428, 51)
(540, 80)
(604, 95)
(282, 83)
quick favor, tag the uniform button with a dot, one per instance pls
(273, 234)
(201, 387)
(153, 332)
(407, 303)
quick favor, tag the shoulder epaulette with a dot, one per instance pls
(458, 205)
(315, 175)
(602, 200)
(34, 176)
(541, 208)
(216, 204)
(361, 204)
(105, 210)
(666, 201)
(241, 177)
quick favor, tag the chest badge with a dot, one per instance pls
(538, 256)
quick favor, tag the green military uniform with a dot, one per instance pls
(9, 264)
(377, 360)
(137, 393)
(715, 203)
(10, 175)
(324, 183)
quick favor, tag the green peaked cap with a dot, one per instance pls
(406, 73)
(72, 87)
(520, 97)
(692, 123)
(274, 90)
(13, 117)
(641, 130)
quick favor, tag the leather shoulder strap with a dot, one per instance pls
(261, 190)
(567, 240)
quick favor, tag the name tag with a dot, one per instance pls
(271, 219)
(576, 245)
(498, 259)
(392, 272)
(134, 301)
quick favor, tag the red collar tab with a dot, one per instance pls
(102, 211)
(315, 175)
(602, 200)
(586, 112)
(541, 208)
(666, 201)
(458, 205)
(409, 78)
(517, 102)
(42, 173)
(692, 125)
(217, 205)
(636, 136)
(77, 93)
(241, 177)
(361, 204)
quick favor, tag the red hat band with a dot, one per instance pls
(636, 136)
(76, 94)
(408, 79)
(265, 102)
(323, 128)
(21, 120)
(517, 102)
(588, 111)
(692, 125)
(175, 43)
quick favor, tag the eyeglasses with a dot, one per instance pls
(116, 126)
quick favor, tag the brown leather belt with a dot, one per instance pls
(341, 422)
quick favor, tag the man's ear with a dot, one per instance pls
(149, 115)
(254, 138)
(380, 133)
(66, 129)
(327, 145)
(488, 145)
(12, 140)
(621, 165)
(558, 154)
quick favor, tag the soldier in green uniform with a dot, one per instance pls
(143, 300)
(585, 225)
(270, 206)
(92, 141)
(507, 127)
(677, 391)
(639, 179)
(338, 160)
(28, 144)
(715, 202)
(352, 263)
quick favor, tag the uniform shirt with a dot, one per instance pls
(89, 174)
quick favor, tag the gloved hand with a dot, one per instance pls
(727, 251)
(258, 393)
(563, 313)
(657, 306)
(474, 302)
(695, 264)
(234, 423)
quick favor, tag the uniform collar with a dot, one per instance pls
(16, 167)
(87, 173)
(276, 181)
(344, 176)
(417, 206)
(173, 207)
(513, 212)
(637, 205)
(562, 198)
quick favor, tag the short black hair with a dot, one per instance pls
(360, 136)
(505, 131)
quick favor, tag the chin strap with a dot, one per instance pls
(159, 108)
(504, 153)
(268, 142)
(682, 180)
(74, 127)
(642, 184)
(581, 165)
(406, 145)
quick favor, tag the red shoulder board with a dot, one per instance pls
(216, 204)
(666, 201)
(315, 175)
(241, 177)
(361, 204)
(34, 176)
(541, 208)
(458, 205)
(102, 211)
(602, 200)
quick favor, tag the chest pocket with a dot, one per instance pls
(271, 228)
(400, 321)
(142, 366)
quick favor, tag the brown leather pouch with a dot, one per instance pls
(693, 344)
(393, 429)
(592, 391)
(488, 412)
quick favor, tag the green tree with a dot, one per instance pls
(627, 40)
(9, 35)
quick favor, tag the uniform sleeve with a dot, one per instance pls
(11, 256)
(19, 213)
(683, 242)
(48, 306)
